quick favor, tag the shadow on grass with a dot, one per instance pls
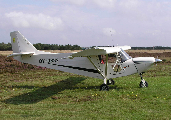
(43, 92)
(111, 87)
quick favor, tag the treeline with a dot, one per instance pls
(5, 47)
(151, 48)
(39, 46)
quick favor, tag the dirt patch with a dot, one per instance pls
(8, 64)
(146, 54)
(6, 53)
(148, 51)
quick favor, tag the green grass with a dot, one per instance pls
(50, 94)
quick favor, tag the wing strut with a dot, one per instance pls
(95, 66)
(104, 86)
(105, 79)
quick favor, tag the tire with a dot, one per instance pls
(142, 85)
(110, 82)
(104, 87)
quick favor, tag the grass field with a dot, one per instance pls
(31, 92)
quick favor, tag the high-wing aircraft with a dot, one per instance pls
(104, 63)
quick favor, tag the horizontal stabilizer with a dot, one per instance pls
(19, 54)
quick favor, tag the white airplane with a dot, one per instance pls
(99, 62)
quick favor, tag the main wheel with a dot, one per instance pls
(143, 84)
(104, 87)
(110, 82)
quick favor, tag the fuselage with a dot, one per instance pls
(115, 65)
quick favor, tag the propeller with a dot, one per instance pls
(157, 60)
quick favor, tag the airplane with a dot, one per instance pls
(105, 63)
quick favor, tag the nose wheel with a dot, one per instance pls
(143, 83)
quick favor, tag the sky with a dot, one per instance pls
(142, 23)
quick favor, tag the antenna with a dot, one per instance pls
(111, 36)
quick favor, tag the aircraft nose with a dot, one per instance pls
(144, 60)
(143, 63)
(157, 60)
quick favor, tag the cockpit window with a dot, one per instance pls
(111, 58)
(119, 57)
(115, 60)
(124, 56)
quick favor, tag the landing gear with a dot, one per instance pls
(104, 87)
(110, 82)
(143, 83)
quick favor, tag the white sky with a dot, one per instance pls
(88, 22)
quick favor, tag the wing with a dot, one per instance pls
(100, 51)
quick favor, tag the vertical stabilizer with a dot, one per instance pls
(20, 44)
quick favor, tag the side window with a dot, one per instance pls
(102, 59)
(116, 60)
(111, 58)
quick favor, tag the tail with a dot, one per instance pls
(20, 45)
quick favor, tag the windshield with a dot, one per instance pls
(124, 55)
